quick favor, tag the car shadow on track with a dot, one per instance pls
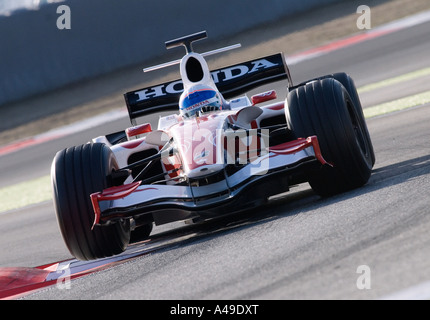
(409, 168)
(291, 204)
(286, 205)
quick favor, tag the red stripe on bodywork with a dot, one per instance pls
(112, 193)
(298, 145)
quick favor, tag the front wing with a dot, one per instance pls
(267, 175)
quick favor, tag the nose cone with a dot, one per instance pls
(197, 140)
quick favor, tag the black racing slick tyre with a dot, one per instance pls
(349, 85)
(76, 173)
(324, 108)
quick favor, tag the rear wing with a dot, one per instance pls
(231, 81)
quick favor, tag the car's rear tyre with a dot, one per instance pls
(324, 108)
(76, 173)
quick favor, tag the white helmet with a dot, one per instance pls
(199, 99)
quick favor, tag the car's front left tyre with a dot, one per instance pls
(76, 173)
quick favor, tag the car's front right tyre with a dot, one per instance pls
(324, 108)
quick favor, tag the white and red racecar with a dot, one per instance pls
(221, 154)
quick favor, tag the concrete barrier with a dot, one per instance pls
(36, 56)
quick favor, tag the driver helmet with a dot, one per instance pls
(199, 99)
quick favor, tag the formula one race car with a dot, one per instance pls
(223, 153)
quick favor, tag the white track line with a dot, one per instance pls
(417, 292)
